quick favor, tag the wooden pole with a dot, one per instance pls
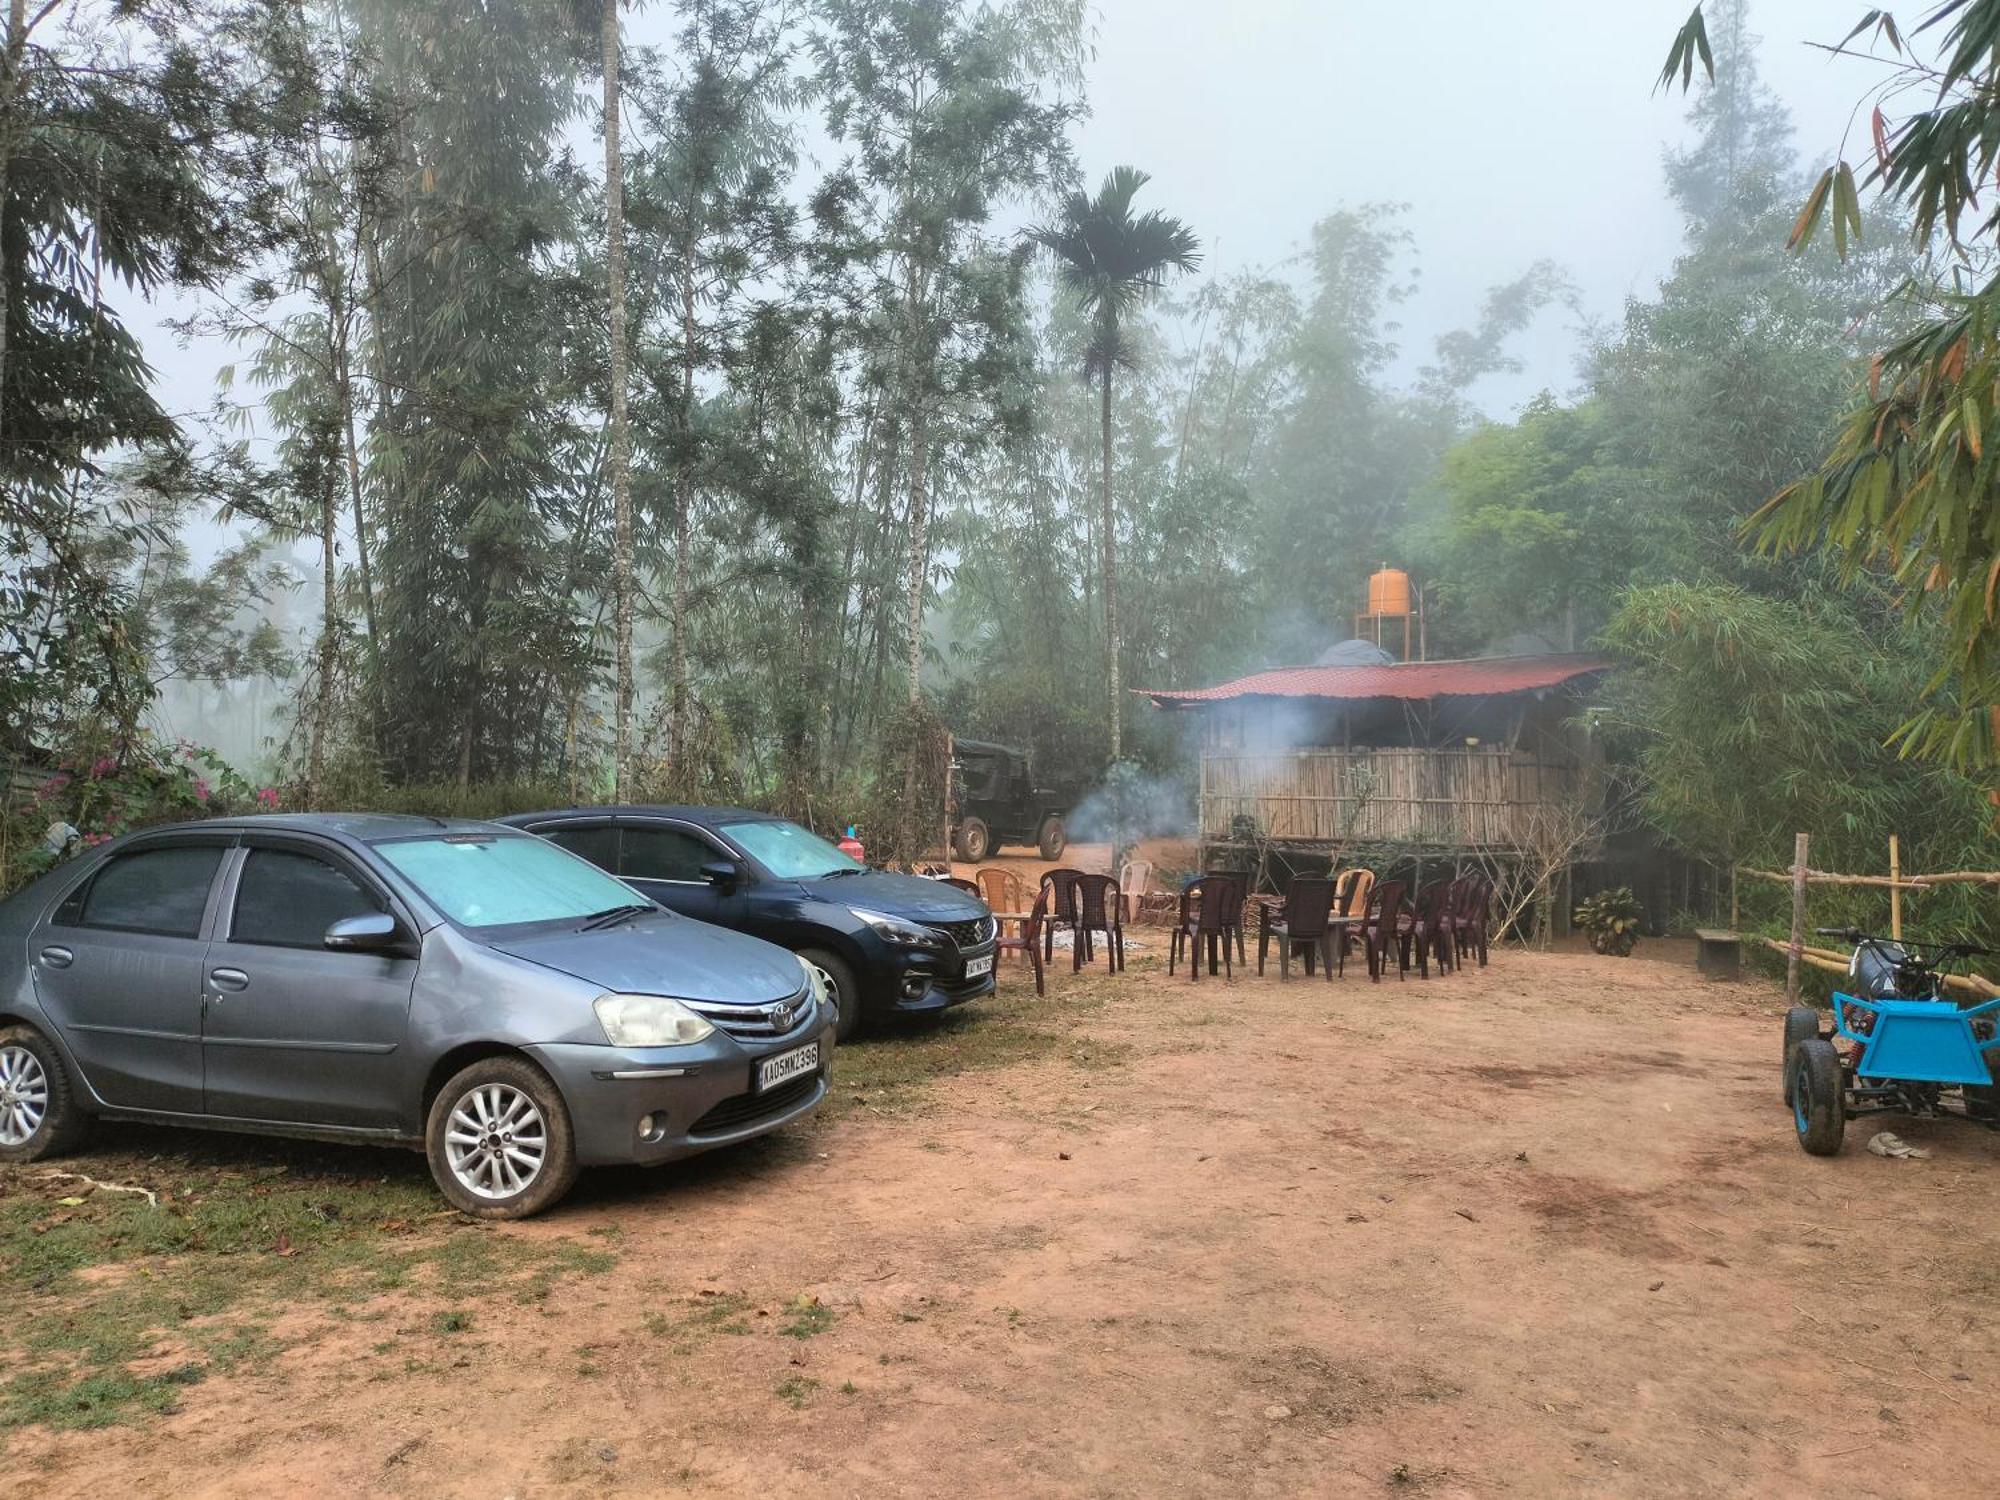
(1895, 890)
(1735, 911)
(1797, 948)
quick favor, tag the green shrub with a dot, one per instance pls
(1611, 920)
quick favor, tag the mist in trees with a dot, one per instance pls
(852, 409)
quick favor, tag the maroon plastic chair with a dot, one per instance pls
(1061, 883)
(1204, 904)
(1469, 922)
(1232, 914)
(1303, 923)
(1385, 932)
(1098, 909)
(1030, 940)
(1431, 931)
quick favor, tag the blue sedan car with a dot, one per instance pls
(884, 944)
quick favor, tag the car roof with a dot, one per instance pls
(366, 827)
(648, 810)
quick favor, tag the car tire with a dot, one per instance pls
(1052, 838)
(484, 1182)
(975, 840)
(39, 1115)
(1819, 1096)
(1801, 1025)
(842, 985)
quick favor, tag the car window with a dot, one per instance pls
(789, 851)
(665, 854)
(596, 842)
(153, 890)
(501, 880)
(289, 899)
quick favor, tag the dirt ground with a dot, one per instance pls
(1538, 1229)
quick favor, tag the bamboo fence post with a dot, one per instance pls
(1798, 919)
(1895, 890)
(1735, 917)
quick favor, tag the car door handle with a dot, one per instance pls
(229, 979)
(58, 958)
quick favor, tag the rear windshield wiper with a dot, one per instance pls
(614, 914)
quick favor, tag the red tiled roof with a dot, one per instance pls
(1415, 680)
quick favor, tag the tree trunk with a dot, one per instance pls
(621, 437)
(328, 642)
(1111, 643)
(10, 91)
(683, 513)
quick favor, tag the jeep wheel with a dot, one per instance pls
(1053, 838)
(974, 841)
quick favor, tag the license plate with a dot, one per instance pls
(975, 967)
(786, 1066)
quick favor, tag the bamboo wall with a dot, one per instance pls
(1448, 798)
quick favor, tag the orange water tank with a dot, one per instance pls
(1389, 592)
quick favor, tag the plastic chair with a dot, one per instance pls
(1133, 878)
(959, 882)
(1098, 909)
(1030, 940)
(1202, 920)
(1062, 905)
(1232, 918)
(1469, 923)
(1431, 928)
(1304, 924)
(1384, 930)
(1002, 889)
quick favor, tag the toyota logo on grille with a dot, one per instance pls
(781, 1014)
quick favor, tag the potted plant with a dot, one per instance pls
(1611, 920)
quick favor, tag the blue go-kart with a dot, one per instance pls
(1915, 1050)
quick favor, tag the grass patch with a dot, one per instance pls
(892, 1069)
(108, 1288)
(809, 1317)
(796, 1390)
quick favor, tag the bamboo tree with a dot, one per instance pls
(621, 438)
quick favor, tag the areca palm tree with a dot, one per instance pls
(1110, 261)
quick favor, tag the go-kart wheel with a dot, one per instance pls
(1801, 1024)
(1819, 1099)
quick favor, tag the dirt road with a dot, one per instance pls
(1535, 1230)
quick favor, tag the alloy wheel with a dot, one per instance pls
(24, 1095)
(496, 1141)
(830, 986)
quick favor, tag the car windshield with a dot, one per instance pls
(788, 851)
(506, 879)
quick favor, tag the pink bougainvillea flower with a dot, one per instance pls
(267, 796)
(101, 765)
(200, 789)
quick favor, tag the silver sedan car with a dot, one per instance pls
(457, 986)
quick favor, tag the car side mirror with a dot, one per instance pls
(371, 932)
(720, 873)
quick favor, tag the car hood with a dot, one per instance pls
(663, 955)
(898, 896)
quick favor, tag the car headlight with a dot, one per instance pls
(648, 1021)
(817, 981)
(897, 931)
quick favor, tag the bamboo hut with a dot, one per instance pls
(1441, 757)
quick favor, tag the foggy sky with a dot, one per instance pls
(1514, 132)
